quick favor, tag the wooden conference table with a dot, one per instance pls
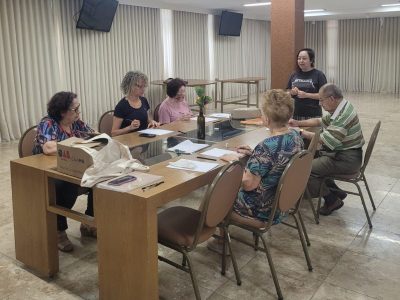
(126, 222)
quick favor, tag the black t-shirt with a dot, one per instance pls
(309, 82)
(127, 113)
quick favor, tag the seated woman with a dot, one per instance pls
(267, 161)
(131, 112)
(175, 106)
(63, 122)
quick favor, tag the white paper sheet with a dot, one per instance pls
(207, 119)
(221, 115)
(155, 131)
(217, 152)
(188, 147)
(192, 165)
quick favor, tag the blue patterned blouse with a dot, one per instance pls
(50, 130)
(267, 161)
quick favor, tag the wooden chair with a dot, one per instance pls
(105, 122)
(155, 114)
(312, 148)
(288, 196)
(357, 177)
(183, 228)
(25, 145)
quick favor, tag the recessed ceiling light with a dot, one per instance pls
(258, 4)
(393, 4)
(313, 10)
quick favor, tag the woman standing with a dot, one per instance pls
(62, 122)
(131, 112)
(304, 85)
(175, 106)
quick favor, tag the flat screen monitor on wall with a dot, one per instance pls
(97, 14)
(230, 23)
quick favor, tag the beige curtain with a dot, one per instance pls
(28, 64)
(369, 55)
(190, 40)
(315, 38)
(245, 56)
(96, 61)
(43, 52)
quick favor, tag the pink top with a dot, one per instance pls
(171, 110)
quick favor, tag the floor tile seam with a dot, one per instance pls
(316, 291)
(347, 289)
(375, 257)
(215, 293)
(286, 275)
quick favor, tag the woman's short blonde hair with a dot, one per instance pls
(278, 106)
(132, 78)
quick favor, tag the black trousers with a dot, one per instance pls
(66, 194)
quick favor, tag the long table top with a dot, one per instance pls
(177, 182)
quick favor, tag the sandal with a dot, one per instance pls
(63, 243)
(88, 231)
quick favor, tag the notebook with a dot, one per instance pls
(141, 180)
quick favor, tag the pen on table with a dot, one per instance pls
(201, 157)
(151, 186)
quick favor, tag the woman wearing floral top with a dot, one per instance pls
(269, 158)
(266, 162)
(63, 122)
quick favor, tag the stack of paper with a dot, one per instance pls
(187, 147)
(207, 119)
(155, 131)
(217, 152)
(192, 165)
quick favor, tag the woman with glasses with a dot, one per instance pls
(304, 85)
(175, 106)
(132, 111)
(62, 122)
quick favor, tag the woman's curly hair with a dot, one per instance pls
(132, 78)
(60, 103)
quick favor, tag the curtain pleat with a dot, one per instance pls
(27, 59)
(190, 56)
(369, 55)
(245, 56)
(315, 38)
(97, 61)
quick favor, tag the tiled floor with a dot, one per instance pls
(350, 261)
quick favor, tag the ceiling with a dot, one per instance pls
(338, 9)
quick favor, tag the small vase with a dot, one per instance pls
(201, 125)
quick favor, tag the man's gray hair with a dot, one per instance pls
(132, 78)
(331, 90)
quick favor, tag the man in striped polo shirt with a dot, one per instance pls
(341, 150)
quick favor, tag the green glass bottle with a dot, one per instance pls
(201, 125)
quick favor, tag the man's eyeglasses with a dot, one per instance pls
(76, 109)
(141, 86)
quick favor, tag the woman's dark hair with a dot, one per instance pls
(174, 85)
(60, 103)
(311, 55)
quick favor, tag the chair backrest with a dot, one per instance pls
(25, 145)
(293, 182)
(220, 196)
(370, 146)
(155, 114)
(312, 148)
(105, 122)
